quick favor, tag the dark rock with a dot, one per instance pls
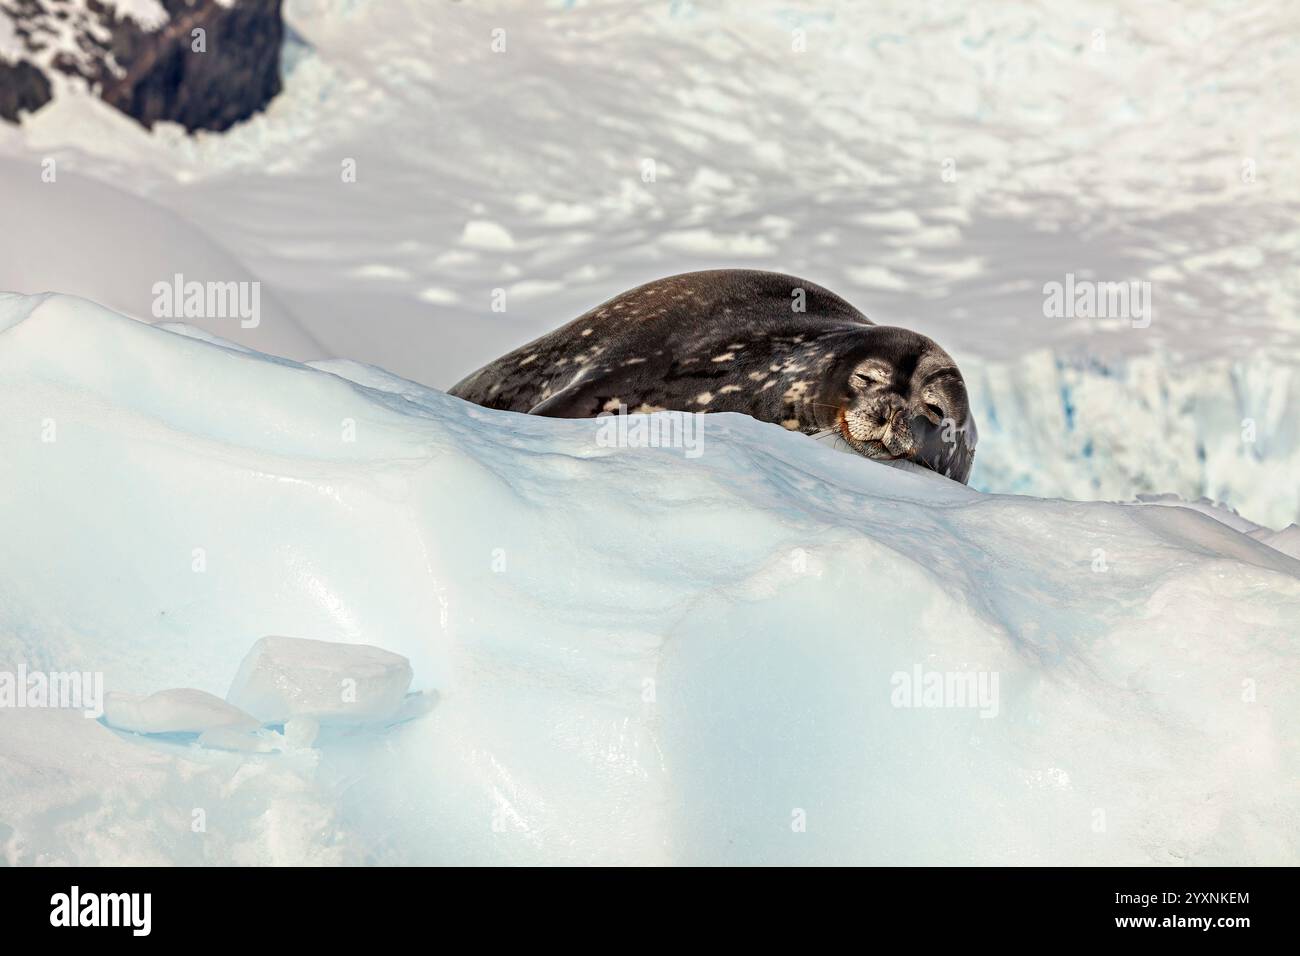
(164, 74)
(22, 88)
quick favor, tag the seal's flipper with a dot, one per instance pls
(566, 403)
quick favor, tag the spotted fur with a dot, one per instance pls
(732, 340)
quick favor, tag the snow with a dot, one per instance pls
(636, 655)
(936, 164)
(60, 32)
(181, 711)
(74, 224)
(481, 234)
(149, 14)
(1287, 540)
(767, 653)
(11, 46)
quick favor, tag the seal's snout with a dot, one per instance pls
(923, 418)
(897, 434)
(881, 430)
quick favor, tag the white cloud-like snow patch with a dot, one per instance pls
(149, 14)
(484, 234)
(708, 242)
(11, 47)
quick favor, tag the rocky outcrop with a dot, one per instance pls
(23, 88)
(205, 64)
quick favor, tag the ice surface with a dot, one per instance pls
(639, 657)
(285, 677)
(301, 732)
(182, 711)
(1287, 540)
(292, 682)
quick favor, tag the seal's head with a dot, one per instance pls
(898, 395)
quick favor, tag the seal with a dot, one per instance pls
(771, 346)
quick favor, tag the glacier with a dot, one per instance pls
(768, 653)
(1064, 424)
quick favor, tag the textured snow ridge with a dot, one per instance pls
(756, 655)
(1089, 429)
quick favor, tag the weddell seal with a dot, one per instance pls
(763, 344)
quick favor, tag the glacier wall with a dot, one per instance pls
(1089, 429)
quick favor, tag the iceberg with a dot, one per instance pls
(767, 653)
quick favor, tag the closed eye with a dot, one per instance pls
(863, 379)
